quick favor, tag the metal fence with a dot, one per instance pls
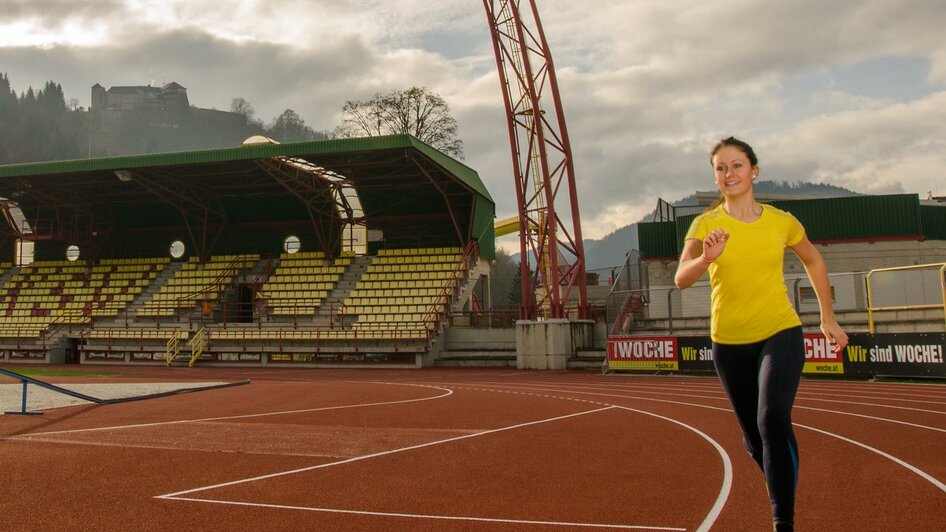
(848, 291)
(627, 298)
(629, 301)
(906, 288)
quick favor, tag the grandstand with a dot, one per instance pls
(339, 253)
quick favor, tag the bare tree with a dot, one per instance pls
(240, 106)
(290, 127)
(415, 111)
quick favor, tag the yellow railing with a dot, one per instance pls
(196, 344)
(173, 346)
(870, 292)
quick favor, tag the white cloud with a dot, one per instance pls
(899, 147)
(647, 85)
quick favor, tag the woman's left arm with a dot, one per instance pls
(818, 275)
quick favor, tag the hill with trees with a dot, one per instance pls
(42, 126)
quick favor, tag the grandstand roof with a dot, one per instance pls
(410, 193)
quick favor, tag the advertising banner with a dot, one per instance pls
(696, 353)
(866, 355)
(820, 357)
(900, 355)
(653, 353)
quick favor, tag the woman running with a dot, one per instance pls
(758, 347)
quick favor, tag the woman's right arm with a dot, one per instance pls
(691, 267)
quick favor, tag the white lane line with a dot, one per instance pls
(724, 490)
(247, 416)
(907, 408)
(874, 418)
(712, 383)
(894, 386)
(671, 389)
(876, 397)
(171, 448)
(918, 471)
(615, 395)
(433, 517)
(896, 460)
(726, 487)
(375, 455)
(609, 395)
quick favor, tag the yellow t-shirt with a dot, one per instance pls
(749, 298)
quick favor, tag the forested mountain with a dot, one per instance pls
(37, 126)
(41, 126)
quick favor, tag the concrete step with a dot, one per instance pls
(503, 358)
(591, 359)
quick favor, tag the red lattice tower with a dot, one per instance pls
(542, 163)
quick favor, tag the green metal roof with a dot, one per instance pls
(852, 219)
(259, 151)
(409, 191)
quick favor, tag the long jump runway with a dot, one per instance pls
(465, 450)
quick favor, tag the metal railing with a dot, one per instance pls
(196, 343)
(450, 289)
(669, 303)
(918, 287)
(24, 379)
(173, 347)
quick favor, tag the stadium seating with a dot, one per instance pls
(48, 293)
(195, 283)
(300, 282)
(309, 308)
(405, 289)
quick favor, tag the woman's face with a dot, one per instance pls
(734, 172)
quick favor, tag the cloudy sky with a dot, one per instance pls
(848, 92)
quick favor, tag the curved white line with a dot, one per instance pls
(839, 412)
(894, 459)
(264, 414)
(612, 395)
(726, 487)
(727, 468)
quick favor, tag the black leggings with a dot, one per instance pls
(761, 380)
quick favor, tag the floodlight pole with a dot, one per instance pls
(542, 163)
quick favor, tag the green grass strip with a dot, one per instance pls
(55, 372)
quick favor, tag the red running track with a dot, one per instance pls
(465, 450)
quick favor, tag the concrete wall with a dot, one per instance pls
(461, 339)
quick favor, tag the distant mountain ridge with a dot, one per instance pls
(610, 250)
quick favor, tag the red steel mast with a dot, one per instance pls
(542, 163)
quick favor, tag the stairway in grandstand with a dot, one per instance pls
(328, 312)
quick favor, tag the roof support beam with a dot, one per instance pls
(199, 216)
(66, 220)
(312, 186)
(446, 200)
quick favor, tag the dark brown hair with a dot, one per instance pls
(740, 145)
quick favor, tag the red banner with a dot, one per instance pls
(647, 353)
